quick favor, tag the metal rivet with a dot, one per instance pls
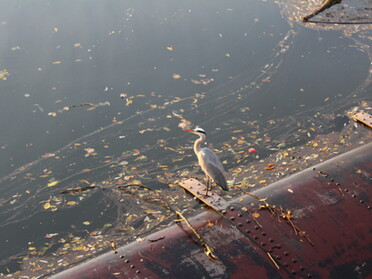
(294, 260)
(361, 201)
(256, 227)
(278, 257)
(271, 240)
(278, 246)
(248, 231)
(368, 207)
(223, 211)
(263, 233)
(137, 271)
(346, 190)
(332, 179)
(240, 215)
(293, 272)
(302, 268)
(263, 244)
(122, 257)
(232, 218)
(132, 266)
(337, 184)
(255, 237)
(353, 195)
(240, 225)
(127, 261)
(248, 221)
(309, 275)
(286, 253)
(232, 208)
(285, 264)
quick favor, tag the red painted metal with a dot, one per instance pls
(330, 203)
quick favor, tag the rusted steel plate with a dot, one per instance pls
(198, 189)
(363, 117)
(314, 224)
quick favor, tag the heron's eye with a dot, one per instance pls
(200, 130)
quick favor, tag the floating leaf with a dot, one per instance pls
(72, 203)
(47, 206)
(269, 167)
(128, 102)
(53, 183)
(86, 223)
(86, 170)
(176, 76)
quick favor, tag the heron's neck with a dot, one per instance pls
(199, 142)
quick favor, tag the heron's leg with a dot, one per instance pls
(208, 185)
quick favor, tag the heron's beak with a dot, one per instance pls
(188, 130)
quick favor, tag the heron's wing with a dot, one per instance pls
(213, 167)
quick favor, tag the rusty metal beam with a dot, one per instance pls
(314, 224)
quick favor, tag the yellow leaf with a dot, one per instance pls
(47, 206)
(237, 131)
(31, 248)
(72, 203)
(135, 182)
(86, 223)
(80, 248)
(255, 215)
(55, 29)
(54, 183)
(128, 102)
(176, 76)
(56, 62)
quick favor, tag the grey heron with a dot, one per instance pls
(208, 160)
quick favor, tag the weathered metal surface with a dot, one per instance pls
(199, 190)
(363, 117)
(329, 204)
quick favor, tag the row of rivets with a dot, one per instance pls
(255, 237)
(338, 184)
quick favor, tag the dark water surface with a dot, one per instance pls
(239, 69)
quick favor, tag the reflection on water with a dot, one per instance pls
(92, 94)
